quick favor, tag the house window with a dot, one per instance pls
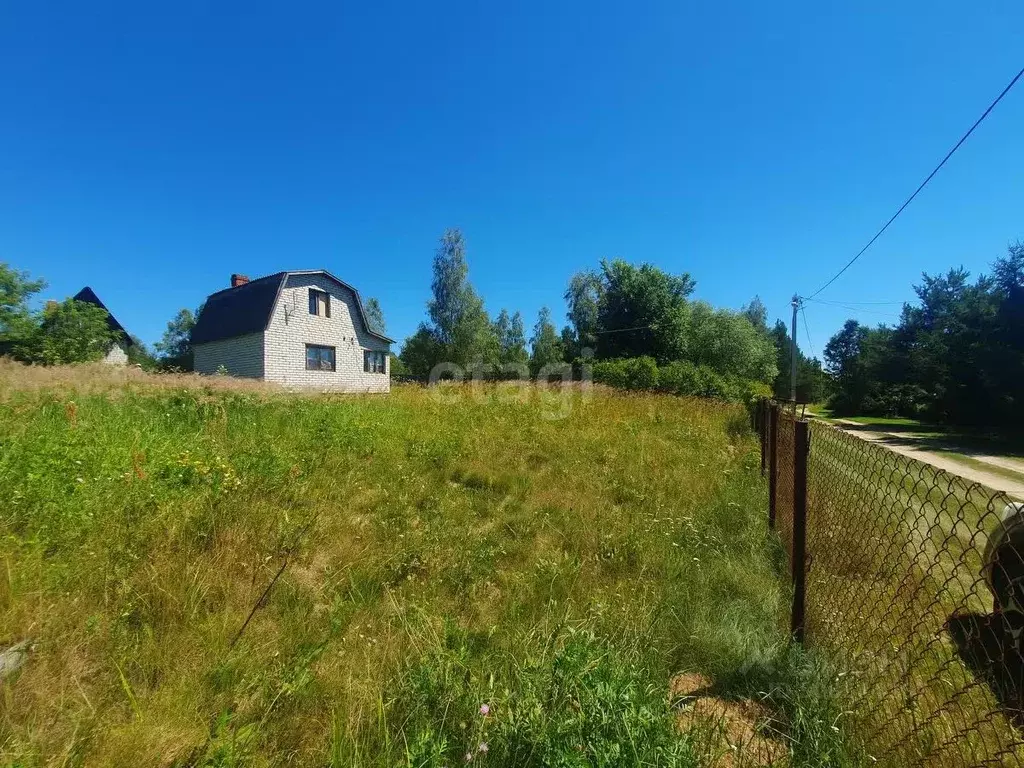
(319, 303)
(374, 362)
(319, 358)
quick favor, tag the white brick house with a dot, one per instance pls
(300, 329)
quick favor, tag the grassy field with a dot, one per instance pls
(911, 427)
(216, 573)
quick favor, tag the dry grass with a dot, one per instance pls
(441, 554)
(17, 379)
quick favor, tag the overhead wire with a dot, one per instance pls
(652, 326)
(807, 331)
(852, 308)
(858, 303)
(923, 184)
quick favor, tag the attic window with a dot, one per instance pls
(319, 303)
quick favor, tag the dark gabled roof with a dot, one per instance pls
(238, 311)
(248, 308)
(89, 296)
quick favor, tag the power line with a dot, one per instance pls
(858, 303)
(848, 304)
(807, 330)
(652, 326)
(923, 184)
(854, 309)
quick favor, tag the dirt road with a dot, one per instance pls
(993, 480)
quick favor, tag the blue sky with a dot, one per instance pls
(149, 150)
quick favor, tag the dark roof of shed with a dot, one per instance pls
(89, 296)
(248, 308)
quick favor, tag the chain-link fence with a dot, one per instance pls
(912, 580)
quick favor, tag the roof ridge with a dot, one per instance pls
(277, 275)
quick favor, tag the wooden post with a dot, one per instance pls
(773, 460)
(799, 562)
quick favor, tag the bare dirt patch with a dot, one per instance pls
(689, 685)
(739, 730)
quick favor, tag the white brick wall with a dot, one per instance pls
(242, 356)
(117, 355)
(292, 327)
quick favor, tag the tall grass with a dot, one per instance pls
(424, 559)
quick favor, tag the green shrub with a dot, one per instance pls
(642, 373)
(680, 377)
(713, 384)
(684, 378)
(753, 391)
(630, 373)
(610, 372)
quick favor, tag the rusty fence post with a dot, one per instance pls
(773, 460)
(799, 562)
(762, 430)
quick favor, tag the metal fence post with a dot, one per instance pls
(762, 429)
(799, 562)
(773, 460)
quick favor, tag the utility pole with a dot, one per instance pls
(792, 364)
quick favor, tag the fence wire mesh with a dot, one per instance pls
(915, 588)
(785, 444)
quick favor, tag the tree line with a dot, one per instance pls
(459, 332)
(957, 356)
(617, 315)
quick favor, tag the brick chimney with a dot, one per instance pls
(237, 280)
